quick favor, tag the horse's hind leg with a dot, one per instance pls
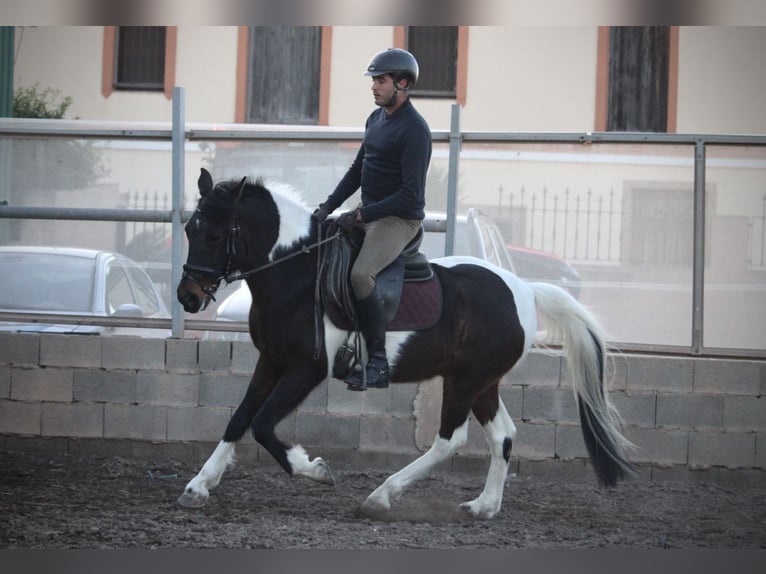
(500, 433)
(453, 433)
(441, 449)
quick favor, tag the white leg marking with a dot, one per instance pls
(316, 469)
(396, 484)
(197, 491)
(495, 431)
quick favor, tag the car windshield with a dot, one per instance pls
(46, 282)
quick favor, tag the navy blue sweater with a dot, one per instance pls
(390, 166)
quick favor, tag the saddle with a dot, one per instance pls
(411, 291)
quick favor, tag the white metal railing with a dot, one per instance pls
(178, 133)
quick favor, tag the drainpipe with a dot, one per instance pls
(7, 52)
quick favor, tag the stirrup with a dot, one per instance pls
(374, 376)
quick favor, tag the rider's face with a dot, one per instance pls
(383, 90)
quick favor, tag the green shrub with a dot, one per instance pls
(32, 102)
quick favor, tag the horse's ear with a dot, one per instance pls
(205, 182)
(240, 189)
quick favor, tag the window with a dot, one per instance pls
(435, 48)
(284, 74)
(140, 58)
(638, 78)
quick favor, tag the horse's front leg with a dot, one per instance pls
(261, 384)
(293, 387)
(196, 493)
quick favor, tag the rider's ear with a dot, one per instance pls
(205, 182)
(240, 190)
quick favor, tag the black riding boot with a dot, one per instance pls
(372, 323)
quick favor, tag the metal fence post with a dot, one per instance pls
(698, 269)
(454, 161)
(179, 141)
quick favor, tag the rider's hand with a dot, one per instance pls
(321, 213)
(349, 220)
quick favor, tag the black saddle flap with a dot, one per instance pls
(340, 254)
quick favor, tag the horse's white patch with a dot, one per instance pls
(488, 503)
(334, 337)
(294, 214)
(213, 469)
(522, 292)
(316, 469)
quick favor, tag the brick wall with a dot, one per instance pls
(174, 397)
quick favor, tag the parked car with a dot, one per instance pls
(534, 265)
(476, 234)
(72, 281)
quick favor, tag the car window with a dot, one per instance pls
(46, 282)
(118, 291)
(144, 292)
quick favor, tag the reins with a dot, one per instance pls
(304, 250)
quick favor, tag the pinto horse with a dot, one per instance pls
(487, 324)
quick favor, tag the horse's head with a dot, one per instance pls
(234, 227)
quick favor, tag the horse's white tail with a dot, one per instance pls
(585, 350)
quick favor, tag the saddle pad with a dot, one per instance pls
(419, 308)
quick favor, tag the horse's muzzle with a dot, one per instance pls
(191, 295)
(190, 301)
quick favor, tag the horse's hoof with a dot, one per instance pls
(191, 499)
(373, 508)
(323, 473)
(476, 511)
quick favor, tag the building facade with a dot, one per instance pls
(521, 79)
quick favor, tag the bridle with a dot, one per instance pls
(217, 275)
(231, 251)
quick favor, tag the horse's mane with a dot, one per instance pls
(294, 214)
(292, 209)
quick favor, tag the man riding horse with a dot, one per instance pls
(390, 167)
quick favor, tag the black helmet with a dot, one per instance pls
(394, 61)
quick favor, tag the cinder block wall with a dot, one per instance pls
(126, 395)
